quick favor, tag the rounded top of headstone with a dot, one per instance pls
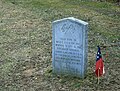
(71, 19)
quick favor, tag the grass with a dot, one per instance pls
(25, 44)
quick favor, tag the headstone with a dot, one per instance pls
(69, 47)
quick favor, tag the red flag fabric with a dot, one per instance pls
(99, 68)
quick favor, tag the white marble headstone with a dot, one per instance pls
(69, 47)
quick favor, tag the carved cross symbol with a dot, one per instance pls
(68, 28)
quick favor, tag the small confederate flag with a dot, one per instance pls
(99, 68)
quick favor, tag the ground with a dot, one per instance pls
(26, 40)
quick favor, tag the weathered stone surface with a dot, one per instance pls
(69, 47)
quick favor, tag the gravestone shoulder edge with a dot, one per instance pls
(72, 19)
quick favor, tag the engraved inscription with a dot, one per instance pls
(68, 49)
